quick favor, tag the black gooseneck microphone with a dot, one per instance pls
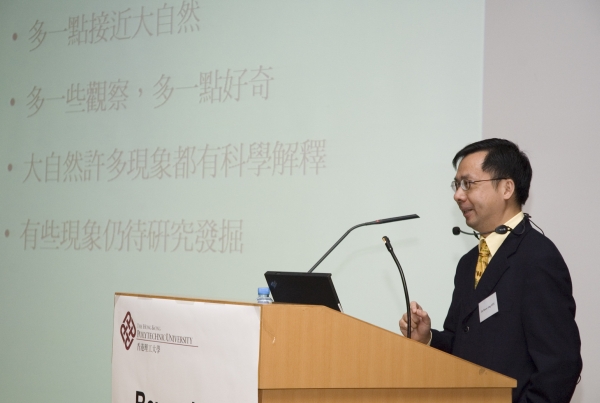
(388, 245)
(382, 221)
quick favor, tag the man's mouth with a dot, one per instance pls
(466, 211)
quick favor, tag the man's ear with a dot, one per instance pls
(507, 188)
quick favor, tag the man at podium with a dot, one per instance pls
(512, 308)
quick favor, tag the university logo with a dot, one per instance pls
(128, 331)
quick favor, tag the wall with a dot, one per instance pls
(542, 90)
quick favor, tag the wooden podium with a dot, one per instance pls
(310, 353)
(315, 354)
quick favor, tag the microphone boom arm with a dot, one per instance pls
(382, 221)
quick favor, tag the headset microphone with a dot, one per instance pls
(457, 231)
(501, 229)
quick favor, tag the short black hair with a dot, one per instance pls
(503, 160)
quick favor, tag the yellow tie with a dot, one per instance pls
(482, 261)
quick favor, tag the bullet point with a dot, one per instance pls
(15, 36)
(12, 102)
(6, 233)
(9, 167)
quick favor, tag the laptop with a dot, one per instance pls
(303, 288)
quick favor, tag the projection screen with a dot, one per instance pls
(185, 147)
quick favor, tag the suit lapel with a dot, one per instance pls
(494, 272)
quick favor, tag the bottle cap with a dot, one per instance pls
(263, 291)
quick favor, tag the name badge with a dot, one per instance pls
(488, 307)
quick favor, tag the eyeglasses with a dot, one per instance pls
(465, 184)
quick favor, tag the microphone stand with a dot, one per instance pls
(388, 245)
(382, 221)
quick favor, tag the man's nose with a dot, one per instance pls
(460, 195)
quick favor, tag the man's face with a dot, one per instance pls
(482, 205)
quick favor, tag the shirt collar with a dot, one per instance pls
(494, 241)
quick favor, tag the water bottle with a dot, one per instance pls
(263, 296)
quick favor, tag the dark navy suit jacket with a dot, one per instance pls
(533, 337)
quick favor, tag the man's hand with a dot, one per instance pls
(420, 324)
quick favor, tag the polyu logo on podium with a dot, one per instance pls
(128, 331)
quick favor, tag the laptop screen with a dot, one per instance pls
(303, 288)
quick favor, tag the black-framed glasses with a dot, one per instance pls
(465, 184)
